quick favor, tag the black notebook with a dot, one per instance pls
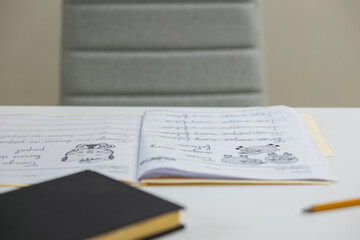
(85, 205)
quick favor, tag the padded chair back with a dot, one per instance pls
(162, 52)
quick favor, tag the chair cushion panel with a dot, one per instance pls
(165, 25)
(219, 100)
(162, 72)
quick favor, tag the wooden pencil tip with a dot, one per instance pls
(308, 210)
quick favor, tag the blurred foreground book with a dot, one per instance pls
(86, 205)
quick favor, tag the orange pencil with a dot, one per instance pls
(333, 205)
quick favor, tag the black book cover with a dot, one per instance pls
(77, 206)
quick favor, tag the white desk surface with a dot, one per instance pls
(264, 212)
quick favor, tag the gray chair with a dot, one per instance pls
(162, 53)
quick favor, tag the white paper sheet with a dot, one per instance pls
(38, 148)
(269, 143)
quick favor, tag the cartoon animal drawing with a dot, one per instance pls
(241, 160)
(89, 153)
(281, 159)
(270, 148)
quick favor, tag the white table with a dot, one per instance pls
(264, 212)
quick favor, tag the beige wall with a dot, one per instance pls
(29, 52)
(312, 52)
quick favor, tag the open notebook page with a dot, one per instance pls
(39, 147)
(269, 143)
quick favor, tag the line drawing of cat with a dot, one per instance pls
(90, 153)
(270, 148)
(281, 159)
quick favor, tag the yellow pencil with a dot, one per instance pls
(333, 205)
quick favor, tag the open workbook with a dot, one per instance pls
(245, 145)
